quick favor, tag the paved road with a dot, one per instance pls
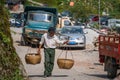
(86, 66)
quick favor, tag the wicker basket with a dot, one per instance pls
(65, 63)
(32, 58)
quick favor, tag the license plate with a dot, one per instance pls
(71, 43)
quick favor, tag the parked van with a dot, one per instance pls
(111, 22)
(114, 23)
(117, 22)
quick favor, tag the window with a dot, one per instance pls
(40, 17)
(67, 23)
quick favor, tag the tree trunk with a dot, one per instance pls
(11, 67)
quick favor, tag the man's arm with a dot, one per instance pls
(40, 45)
(39, 49)
(61, 42)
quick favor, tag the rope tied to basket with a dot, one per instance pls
(32, 57)
(65, 63)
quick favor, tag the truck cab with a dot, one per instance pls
(64, 21)
(37, 22)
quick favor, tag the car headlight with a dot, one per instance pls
(81, 38)
(63, 38)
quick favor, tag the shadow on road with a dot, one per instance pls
(28, 44)
(98, 75)
(71, 48)
(98, 64)
(50, 76)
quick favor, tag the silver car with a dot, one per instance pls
(74, 34)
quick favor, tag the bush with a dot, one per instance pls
(118, 30)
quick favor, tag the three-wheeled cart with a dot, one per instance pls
(109, 53)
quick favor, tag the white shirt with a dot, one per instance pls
(50, 42)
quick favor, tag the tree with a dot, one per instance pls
(11, 67)
(83, 8)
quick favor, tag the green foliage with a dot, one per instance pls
(118, 30)
(84, 8)
(2, 2)
(5, 39)
(9, 60)
(95, 25)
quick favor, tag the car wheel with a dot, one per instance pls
(84, 48)
(112, 68)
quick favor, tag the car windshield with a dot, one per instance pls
(40, 17)
(67, 23)
(72, 30)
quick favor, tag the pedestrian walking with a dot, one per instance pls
(49, 41)
(95, 43)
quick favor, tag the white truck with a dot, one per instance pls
(64, 21)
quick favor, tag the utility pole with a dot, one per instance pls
(99, 13)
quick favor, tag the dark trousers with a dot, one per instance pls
(49, 60)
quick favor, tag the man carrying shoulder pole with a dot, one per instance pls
(49, 40)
